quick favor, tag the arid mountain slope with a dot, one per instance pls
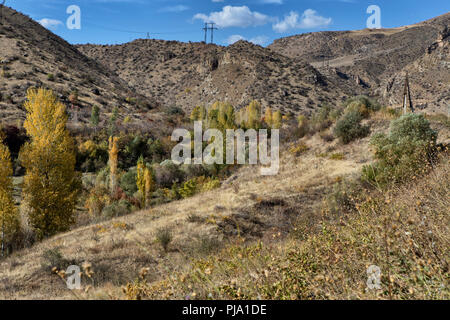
(380, 58)
(30, 55)
(189, 74)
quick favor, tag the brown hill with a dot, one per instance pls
(380, 58)
(30, 55)
(189, 74)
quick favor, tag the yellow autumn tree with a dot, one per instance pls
(51, 184)
(149, 185)
(277, 120)
(140, 177)
(144, 181)
(254, 115)
(268, 117)
(9, 217)
(113, 162)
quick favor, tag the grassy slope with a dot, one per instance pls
(210, 227)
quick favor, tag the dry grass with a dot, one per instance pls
(404, 232)
(266, 221)
(123, 246)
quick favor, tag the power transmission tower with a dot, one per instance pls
(206, 31)
(407, 96)
(212, 28)
(148, 35)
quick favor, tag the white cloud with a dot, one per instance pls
(50, 23)
(260, 40)
(234, 17)
(309, 20)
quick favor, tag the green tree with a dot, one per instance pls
(113, 121)
(95, 116)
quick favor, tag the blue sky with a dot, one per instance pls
(260, 21)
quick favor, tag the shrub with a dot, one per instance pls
(210, 184)
(117, 209)
(196, 185)
(406, 152)
(193, 170)
(349, 127)
(164, 237)
(302, 126)
(337, 156)
(297, 150)
(188, 189)
(50, 77)
(362, 104)
(175, 111)
(53, 258)
(321, 119)
(97, 200)
(167, 173)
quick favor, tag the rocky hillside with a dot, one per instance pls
(189, 74)
(30, 55)
(294, 74)
(379, 59)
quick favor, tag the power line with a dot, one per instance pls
(145, 33)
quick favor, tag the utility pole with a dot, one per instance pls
(212, 28)
(407, 96)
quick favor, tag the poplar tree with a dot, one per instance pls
(277, 120)
(254, 115)
(268, 117)
(51, 184)
(195, 114)
(144, 181)
(113, 162)
(140, 178)
(9, 217)
(149, 185)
